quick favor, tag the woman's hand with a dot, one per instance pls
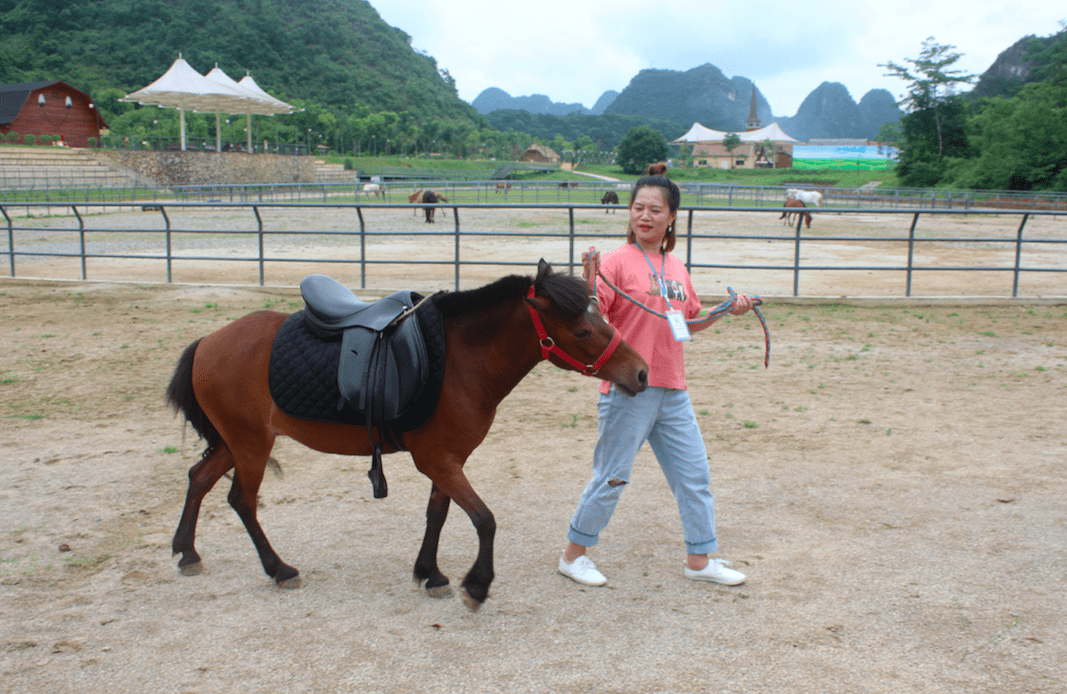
(589, 264)
(742, 304)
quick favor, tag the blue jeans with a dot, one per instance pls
(664, 417)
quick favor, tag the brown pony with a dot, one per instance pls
(657, 169)
(493, 337)
(423, 196)
(609, 198)
(788, 214)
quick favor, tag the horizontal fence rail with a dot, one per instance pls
(49, 232)
(342, 185)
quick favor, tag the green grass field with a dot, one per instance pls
(843, 164)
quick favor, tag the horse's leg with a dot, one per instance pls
(426, 568)
(475, 586)
(244, 496)
(202, 477)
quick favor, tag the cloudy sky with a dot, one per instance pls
(575, 50)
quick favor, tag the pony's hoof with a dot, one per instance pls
(292, 583)
(440, 592)
(472, 604)
(193, 569)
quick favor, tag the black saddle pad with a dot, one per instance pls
(303, 373)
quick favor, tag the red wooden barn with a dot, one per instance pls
(49, 108)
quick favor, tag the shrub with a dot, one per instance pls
(13, 137)
(92, 142)
(30, 139)
(349, 164)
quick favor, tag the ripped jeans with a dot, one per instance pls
(665, 418)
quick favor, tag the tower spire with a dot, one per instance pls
(753, 122)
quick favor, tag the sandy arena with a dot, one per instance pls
(892, 486)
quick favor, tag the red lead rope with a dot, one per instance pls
(548, 345)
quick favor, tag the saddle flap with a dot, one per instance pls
(381, 374)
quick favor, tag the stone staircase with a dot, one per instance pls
(39, 168)
(333, 173)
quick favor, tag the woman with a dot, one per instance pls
(645, 269)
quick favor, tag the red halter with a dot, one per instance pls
(548, 345)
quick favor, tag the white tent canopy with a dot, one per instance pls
(184, 88)
(698, 133)
(258, 102)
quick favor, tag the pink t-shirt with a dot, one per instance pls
(628, 268)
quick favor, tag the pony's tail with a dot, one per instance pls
(181, 397)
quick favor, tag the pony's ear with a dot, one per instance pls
(543, 268)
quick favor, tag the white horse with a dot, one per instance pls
(808, 197)
(373, 189)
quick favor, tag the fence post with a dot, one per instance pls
(362, 249)
(457, 252)
(259, 233)
(911, 252)
(10, 239)
(1018, 256)
(170, 257)
(796, 260)
(81, 236)
(570, 260)
(689, 244)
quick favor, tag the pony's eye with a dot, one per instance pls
(582, 334)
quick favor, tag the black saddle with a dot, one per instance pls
(384, 371)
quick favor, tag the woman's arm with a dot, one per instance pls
(741, 305)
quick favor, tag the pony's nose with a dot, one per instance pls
(642, 378)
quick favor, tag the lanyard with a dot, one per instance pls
(661, 277)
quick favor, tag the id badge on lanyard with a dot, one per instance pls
(678, 325)
(675, 318)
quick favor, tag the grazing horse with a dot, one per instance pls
(488, 340)
(658, 168)
(569, 184)
(609, 198)
(428, 198)
(809, 197)
(375, 189)
(503, 186)
(423, 196)
(787, 215)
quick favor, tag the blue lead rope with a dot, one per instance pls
(717, 312)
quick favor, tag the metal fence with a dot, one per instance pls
(341, 185)
(1042, 253)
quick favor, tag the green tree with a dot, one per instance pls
(640, 147)
(1021, 143)
(731, 142)
(931, 83)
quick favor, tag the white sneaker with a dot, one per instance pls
(716, 572)
(582, 570)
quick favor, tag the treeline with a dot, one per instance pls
(1012, 142)
(357, 131)
(336, 53)
(605, 131)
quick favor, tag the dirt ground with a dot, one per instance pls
(892, 486)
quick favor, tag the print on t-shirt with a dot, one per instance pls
(675, 289)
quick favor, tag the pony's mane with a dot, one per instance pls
(568, 293)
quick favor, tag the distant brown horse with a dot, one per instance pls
(657, 169)
(423, 196)
(609, 198)
(788, 215)
(503, 186)
(492, 337)
(569, 184)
